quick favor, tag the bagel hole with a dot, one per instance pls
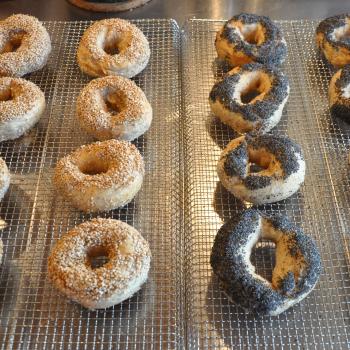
(113, 42)
(97, 257)
(253, 87)
(255, 168)
(250, 37)
(113, 104)
(113, 100)
(258, 161)
(112, 48)
(14, 42)
(6, 95)
(263, 258)
(93, 167)
(252, 33)
(248, 96)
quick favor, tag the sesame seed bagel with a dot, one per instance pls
(332, 38)
(21, 105)
(101, 176)
(72, 270)
(113, 47)
(339, 94)
(296, 272)
(114, 107)
(250, 98)
(249, 38)
(262, 169)
(25, 45)
(4, 178)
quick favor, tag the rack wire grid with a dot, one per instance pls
(33, 315)
(179, 209)
(321, 207)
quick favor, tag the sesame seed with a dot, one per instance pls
(127, 252)
(34, 49)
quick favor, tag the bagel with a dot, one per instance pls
(113, 107)
(279, 174)
(296, 272)
(339, 94)
(250, 98)
(21, 105)
(332, 38)
(247, 38)
(101, 176)
(72, 268)
(25, 45)
(113, 47)
(4, 178)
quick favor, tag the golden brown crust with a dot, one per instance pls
(100, 176)
(122, 159)
(336, 56)
(247, 38)
(128, 48)
(131, 115)
(23, 96)
(70, 270)
(34, 45)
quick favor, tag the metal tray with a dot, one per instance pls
(32, 313)
(179, 209)
(321, 207)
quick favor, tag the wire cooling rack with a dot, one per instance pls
(179, 209)
(33, 315)
(321, 207)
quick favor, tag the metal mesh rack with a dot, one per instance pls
(32, 313)
(179, 209)
(321, 207)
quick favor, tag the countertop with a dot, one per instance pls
(181, 9)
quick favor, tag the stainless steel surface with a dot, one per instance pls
(32, 313)
(181, 9)
(321, 207)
